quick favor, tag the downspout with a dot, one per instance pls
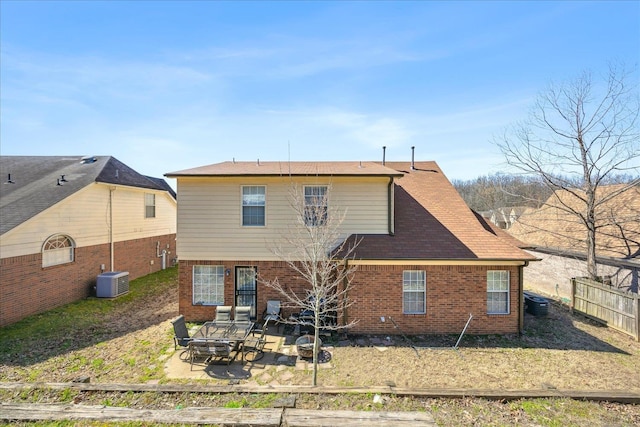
(345, 315)
(390, 218)
(111, 245)
(521, 297)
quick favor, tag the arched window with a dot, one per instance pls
(56, 250)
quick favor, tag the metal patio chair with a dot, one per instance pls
(180, 333)
(253, 347)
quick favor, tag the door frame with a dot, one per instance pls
(238, 293)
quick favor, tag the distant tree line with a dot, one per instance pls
(501, 190)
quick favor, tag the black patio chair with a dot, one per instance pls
(181, 333)
(253, 347)
(211, 351)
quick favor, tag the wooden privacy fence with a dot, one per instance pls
(615, 308)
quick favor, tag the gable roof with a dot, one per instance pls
(34, 182)
(288, 169)
(432, 222)
(552, 227)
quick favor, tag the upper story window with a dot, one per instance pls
(149, 205)
(315, 205)
(56, 250)
(253, 205)
(497, 292)
(414, 291)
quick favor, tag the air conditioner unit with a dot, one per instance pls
(112, 284)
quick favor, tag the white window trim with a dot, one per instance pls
(325, 198)
(242, 187)
(507, 291)
(423, 291)
(220, 294)
(60, 255)
(146, 216)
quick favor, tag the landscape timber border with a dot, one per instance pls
(615, 396)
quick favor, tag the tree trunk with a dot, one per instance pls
(592, 266)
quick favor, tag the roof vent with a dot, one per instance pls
(59, 183)
(9, 181)
(413, 163)
(384, 152)
(88, 159)
(62, 179)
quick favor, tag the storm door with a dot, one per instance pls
(246, 288)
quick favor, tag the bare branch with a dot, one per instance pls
(577, 137)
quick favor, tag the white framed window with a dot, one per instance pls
(208, 285)
(315, 205)
(497, 292)
(149, 205)
(414, 292)
(253, 205)
(57, 249)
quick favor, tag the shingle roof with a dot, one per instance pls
(288, 168)
(618, 222)
(35, 188)
(432, 222)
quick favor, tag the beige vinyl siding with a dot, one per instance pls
(210, 222)
(84, 216)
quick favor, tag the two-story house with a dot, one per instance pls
(425, 261)
(64, 220)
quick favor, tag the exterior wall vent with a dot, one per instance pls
(112, 284)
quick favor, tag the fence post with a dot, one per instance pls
(637, 314)
(573, 294)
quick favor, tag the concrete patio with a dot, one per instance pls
(276, 367)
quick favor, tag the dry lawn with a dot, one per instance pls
(130, 340)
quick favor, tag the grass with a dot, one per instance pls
(80, 339)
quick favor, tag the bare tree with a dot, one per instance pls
(577, 138)
(313, 248)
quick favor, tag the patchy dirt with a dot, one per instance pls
(132, 343)
(561, 350)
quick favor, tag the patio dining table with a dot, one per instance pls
(232, 332)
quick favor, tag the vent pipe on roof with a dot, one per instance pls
(413, 163)
(9, 181)
(59, 183)
(62, 179)
(384, 150)
(258, 162)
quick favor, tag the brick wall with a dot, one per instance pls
(27, 288)
(266, 269)
(453, 292)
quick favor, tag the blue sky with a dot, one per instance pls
(165, 86)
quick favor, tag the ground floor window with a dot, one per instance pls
(208, 285)
(414, 292)
(497, 292)
(56, 250)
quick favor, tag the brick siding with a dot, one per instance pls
(26, 288)
(453, 292)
